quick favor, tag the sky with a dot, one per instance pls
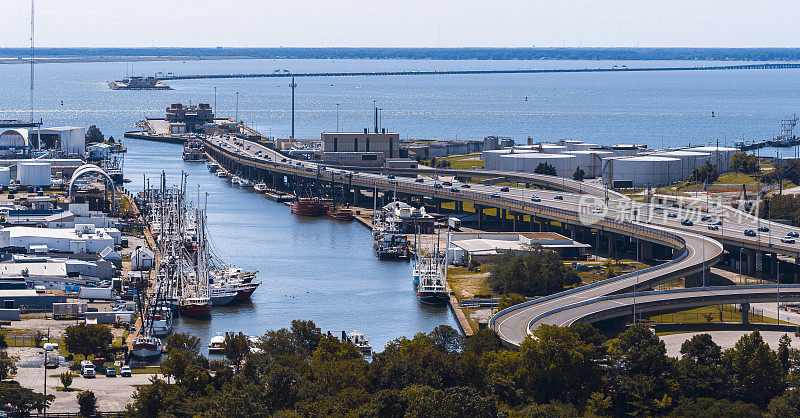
(402, 23)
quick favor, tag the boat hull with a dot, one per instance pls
(195, 310)
(245, 293)
(341, 215)
(223, 299)
(433, 298)
(307, 207)
(162, 331)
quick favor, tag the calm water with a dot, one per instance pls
(323, 270)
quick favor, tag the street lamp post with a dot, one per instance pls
(337, 117)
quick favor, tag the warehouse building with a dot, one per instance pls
(69, 140)
(81, 239)
(484, 245)
(28, 298)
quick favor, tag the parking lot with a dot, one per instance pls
(112, 393)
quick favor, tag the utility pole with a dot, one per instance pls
(292, 85)
(215, 99)
(376, 117)
(337, 117)
(237, 107)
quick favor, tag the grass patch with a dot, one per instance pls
(147, 370)
(466, 284)
(69, 389)
(713, 314)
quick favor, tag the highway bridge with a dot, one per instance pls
(609, 221)
(279, 74)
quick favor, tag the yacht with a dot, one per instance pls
(222, 174)
(216, 344)
(359, 339)
(236, 180)
(212, 166)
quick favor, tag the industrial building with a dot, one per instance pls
(484, 245)
(14, 141)
(192, 117)
(689, 160)
(720, 156)
(70, 140)
(83, 238)
(386, 143)
(28, 299)
(641, 171)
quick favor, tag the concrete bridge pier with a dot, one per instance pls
(502, 215)
(745, 311)
(517, 220)
(479, 213)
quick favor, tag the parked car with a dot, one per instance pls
(749, 232)
(504, 189)
(111, 372)
(125, 371)
(687, 222)
(787, 240)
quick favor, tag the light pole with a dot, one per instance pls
(215, 99)
(45, 377)
(337, 117)
(635, 283)
(237, 107)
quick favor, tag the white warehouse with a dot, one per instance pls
(527, 162)
(78, 240)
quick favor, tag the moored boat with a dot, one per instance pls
(359, 339)
(260, 187)
(216, 344)
(340, 213)
(145, 346)
(195, 307)
(243, 182)
(222, 174)
(307, 206)
(212, 166)
(222, 297)
(162, 322)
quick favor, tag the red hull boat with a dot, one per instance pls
(245, 291)
(305, 206)
(340, 214)
(199, 308)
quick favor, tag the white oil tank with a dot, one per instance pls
(642, 171)
(720, 156)
(33, 173)
(527, 163)
(689, 160)
(5, 176)
(591, 161)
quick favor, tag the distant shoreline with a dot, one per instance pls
(64, 55)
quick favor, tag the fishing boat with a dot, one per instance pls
(260, 187)
(222, 174)
(307, 206)
(340, 213)
(145, 346)
(391, 247)
(212, 166)
(221, 296)
(431, 289)
(245, 182)
(162, 321)
(359, 339)
(198, 307)
(236, 180)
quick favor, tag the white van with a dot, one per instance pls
(87, 368)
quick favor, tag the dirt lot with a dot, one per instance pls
(112, 393)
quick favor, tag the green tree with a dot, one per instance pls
(706, 172)
(305, 334)
(714, 408)
(93, 135)
(579, 174)
(66, 379)
(235, 348)
(183, 342)
(534, 272)
(8, 365)
(482, 341)
(786, 405)
(545, 168)
(700, 370)
(87, 403)
(742, 162)
(3, 343)
(23, 400)
(85, 339)
(446, 338)
(450, 402)
(755, 373)
(509, 300)
(38, 337)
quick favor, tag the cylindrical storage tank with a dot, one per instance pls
(33, 173)
(591, 161)
(5, 176)
(551, 149)
(689, 160)
(720, 156)
(491, 158)
(643, 171)
(563, 163)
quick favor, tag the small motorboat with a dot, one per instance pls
(359, 339)
(245, 182)
(260, 187)
(222, 174)
(216, 344)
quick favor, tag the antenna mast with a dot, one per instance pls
(32, 15)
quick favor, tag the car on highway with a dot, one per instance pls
(558, 197)
(763, 229)
(687, 222)
(705, 218)
(454, 189)
(447, 183)
(713, 227)
(437, 186)
(495, 196)
(672, 215)
(299, 163)
(504, 189)
(717, 223)
(390, 176)
(749, 233)
(535, 198)
(125, 371)
(465, 186)
(283, 160)
(787, 240)
(419, 180)
(793, 234)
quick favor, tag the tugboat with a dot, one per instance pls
(307, 206)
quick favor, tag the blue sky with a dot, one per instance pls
(431, 23)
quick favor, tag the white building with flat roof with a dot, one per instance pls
(78, 240)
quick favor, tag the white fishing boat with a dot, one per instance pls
(222, 174)
(260, 187)
(360, 340)
(245, 182)
(236, 180)
(145, 346)
(162, 322)
(212, 166)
